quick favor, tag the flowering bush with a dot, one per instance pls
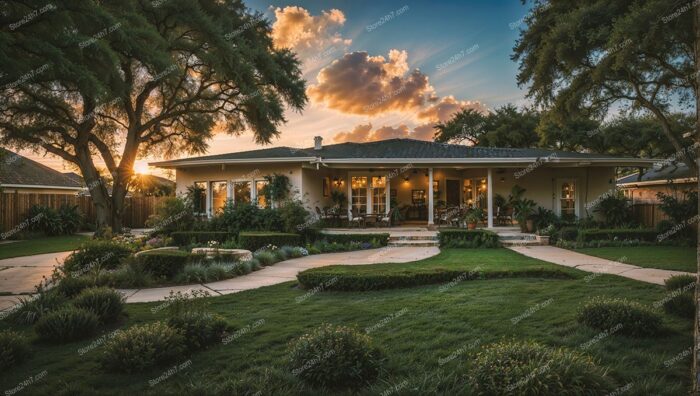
(213, 244)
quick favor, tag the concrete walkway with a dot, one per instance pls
(587, 263)
(286, 271)
(19, 275)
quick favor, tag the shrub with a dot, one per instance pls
(218, 271)
(31, 309)
(335, 356)
(71, 219)
(141, 347)
(527, 368)
(129, 275)
(615, 208)
(184, 238)
(648, 235)
(200, 329)
(328, 278)
(681, 300)
(245, 267)
(679, 210)
(192, 273)
(568, 233)
(281, 254)
(94, 256)
(468, 239)
(294, 217)
(14, 349)
(163, 263)
(66, 220)
(266, 258)
(172, 214)
(70, 286)
(66, 324)
(381, 238)
(181, 303)
(255, 240)
(239, 217)
(106, 303)
(605, 313)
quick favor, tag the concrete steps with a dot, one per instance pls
(510, 238)
(414, 240)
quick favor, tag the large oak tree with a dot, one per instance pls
(591, 55)
(101, 83)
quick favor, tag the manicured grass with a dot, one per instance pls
(427, 332)
(41, 245)
(661, 257)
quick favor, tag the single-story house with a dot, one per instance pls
(21, 175)
(405, 172)
(669, 179)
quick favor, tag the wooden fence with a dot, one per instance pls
(14, 207)
(648, 214)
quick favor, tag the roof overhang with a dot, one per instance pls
(195, 162)
(36, 186)
(663, 182)
(350, 162)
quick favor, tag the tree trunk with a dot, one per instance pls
(696, 354)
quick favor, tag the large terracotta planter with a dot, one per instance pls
(530, 225)
(471, 226)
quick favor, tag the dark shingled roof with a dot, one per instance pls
(16, 169)
(394, 148)
(669, 172)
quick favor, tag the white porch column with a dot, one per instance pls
(253, 194)
(387, 193)
(489, 195)
(349, 179)
(430, 197)
(229, 190)
(208, 206)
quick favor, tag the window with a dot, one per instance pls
(260, 193)
(326, 187)
(378, 194)
(359, 194)
(418, 197)
(567, 199)
(199, 197)
(218, 195)
(241, 192)
(436, 190)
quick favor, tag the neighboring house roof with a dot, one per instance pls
(676, 173)
(75, 177)
(396, 150)
(20, 171)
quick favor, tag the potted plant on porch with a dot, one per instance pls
(522, 211)
(472, 217)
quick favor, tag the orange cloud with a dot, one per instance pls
(297, 29)
(446, 107)
(369, 85)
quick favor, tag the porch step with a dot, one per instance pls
(518, 239)
(397, 238)
(415, 243)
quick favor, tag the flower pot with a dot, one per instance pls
(471, 226)
(530, 225)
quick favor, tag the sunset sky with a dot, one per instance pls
(379, 70)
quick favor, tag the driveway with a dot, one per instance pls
(286, 271)
(19, 275)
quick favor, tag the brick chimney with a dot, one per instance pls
(318, 143)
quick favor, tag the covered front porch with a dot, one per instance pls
(416, 196)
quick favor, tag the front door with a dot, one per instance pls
(452, 192)
(567, 198)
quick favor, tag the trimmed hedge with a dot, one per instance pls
(381, 238)
(326, 279)
(647, 235)
(163, 263)
(183, 238)
(104, 302)
(67, 324)
(568, 233)
(95, 255)
(142, 347)
(255, 240)
(468, 239)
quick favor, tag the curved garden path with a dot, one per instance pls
(286, 271)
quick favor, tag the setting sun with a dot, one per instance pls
(141, 167)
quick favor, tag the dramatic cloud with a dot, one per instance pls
(446, 107)
(369, 85)
(307, 34)
(441, 110)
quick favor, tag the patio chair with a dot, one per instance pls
(386, 219)
(322, 214)
(357, 219)
(504, 215)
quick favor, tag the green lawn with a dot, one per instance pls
(40, 245)
(436, 324)
(662, 257)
